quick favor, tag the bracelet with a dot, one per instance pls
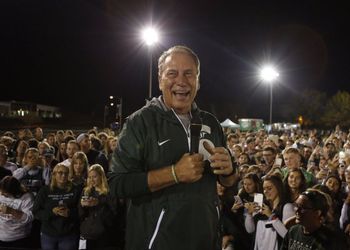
(174, 174)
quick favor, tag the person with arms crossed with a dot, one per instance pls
(172, 199)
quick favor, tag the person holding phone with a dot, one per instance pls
(269, 229)
(243, 202)
(56, 206)
(97, 202)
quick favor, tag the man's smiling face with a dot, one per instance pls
(178, 81)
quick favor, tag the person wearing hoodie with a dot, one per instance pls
(172, 198)
(56, 206)
(16, 216)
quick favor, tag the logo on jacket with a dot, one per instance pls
(160, 143)
(205, 130)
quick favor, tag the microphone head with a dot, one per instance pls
(195, 129)
(196, 125)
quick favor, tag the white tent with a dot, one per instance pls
(229, 124)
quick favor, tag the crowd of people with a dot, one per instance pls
(54, 191)
(187, 184)
(49, 186)
(304, 176)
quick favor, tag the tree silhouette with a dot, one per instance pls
(337, 110)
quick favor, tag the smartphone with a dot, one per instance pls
(278, 162)
(258, 198)
(238, 199)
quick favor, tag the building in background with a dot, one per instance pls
(28, 111)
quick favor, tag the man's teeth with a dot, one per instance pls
(181, 93)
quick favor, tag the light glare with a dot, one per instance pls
(150, 36)
(268, 74)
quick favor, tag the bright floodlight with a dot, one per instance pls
(150, 36)
(268, 74)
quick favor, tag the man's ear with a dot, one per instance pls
(319, 213)
(159, 83)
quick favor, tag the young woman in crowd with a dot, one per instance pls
(243, 159)
(269, 228)
(31, 174)
(97, 202)
(21, 148)
(56, 206)
(61, 154)
(15, 214)
(103, 137)
(110, 146)
(78, 168)
(334, 184)
(294, 184)
(251, 185)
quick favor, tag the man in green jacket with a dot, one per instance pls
(172, 199)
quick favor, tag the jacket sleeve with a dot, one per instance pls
(39, 210)
(129, 175)
(288, 212)
(249, 223)
(19, 173)
(344, 220)
(27, 207)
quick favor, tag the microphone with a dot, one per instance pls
(195, 128)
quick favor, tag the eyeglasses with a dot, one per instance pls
(62, 173)
(300, 209)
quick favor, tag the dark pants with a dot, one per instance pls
(69, 242)
(20, 243)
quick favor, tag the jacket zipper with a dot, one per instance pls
(157, 229)
(187, 131)
(218, 211)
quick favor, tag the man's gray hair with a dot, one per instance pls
(177, 49)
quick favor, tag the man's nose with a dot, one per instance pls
(182, 79)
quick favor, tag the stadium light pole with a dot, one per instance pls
(150, 37)
(269, 74)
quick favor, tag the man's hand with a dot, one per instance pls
(220, 160)
(189, 168)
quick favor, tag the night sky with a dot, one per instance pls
(74, 54)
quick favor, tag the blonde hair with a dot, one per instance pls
(102, 188)
(35, 151)
(78, 156)
(53, 182)
(107, 148)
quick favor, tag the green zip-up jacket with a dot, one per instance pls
(182, 216)
(52, 224)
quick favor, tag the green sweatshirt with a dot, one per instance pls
(55, 225)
